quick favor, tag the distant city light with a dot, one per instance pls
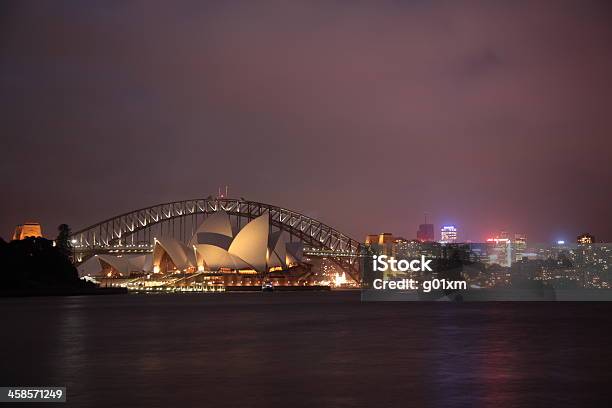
(340, 279)
(561, 242)
(498, 240)
(448, 234)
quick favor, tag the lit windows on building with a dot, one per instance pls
(371, 239)
(448, 234)
(585, 239)
(383, 242)
(500, 251)
(519, 246)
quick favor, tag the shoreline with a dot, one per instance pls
(61, 292)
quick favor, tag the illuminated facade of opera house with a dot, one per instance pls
(216, 253)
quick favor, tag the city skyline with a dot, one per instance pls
(425, 233)
(363, 116)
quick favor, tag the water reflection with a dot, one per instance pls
(305, 349)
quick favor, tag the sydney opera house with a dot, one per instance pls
(216, 249)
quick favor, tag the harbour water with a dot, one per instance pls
(306, 349)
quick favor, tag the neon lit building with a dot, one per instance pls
(448, 234)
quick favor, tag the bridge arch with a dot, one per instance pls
(136, 229)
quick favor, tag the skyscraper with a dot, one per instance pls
(425, 233)
(383, 242)
(519, 246)
(500, 249)
(371, 239)
(448, 234)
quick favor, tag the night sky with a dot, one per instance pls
(489, 115)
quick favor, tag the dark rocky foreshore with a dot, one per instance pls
(38, 267)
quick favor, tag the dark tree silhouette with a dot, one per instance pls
(63, 240)
(34, 263)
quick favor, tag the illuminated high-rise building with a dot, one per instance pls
(448, 234)
(382, 241)
(385, 241)
(585, 239)
(519, 246)
(371, 239)
(425, 233)
(385, 238)
(500, 250)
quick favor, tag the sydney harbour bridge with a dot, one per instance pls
(134, 232)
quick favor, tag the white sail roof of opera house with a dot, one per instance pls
(277, 249)
(216, 229)
(295, 252)
(180, 254)
(213, 258)
(96, 265)
(251, 243)
(253, 247)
